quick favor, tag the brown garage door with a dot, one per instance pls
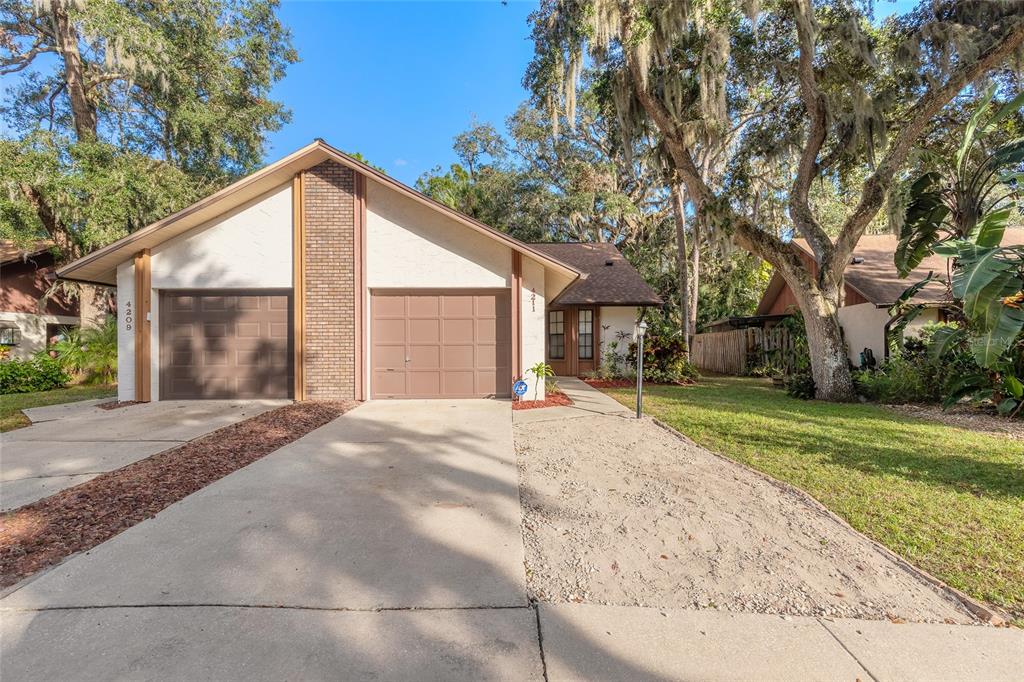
(444, 344)
(225, 345)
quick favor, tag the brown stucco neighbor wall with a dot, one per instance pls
(329, 267)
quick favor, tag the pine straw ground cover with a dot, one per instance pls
(77, 519)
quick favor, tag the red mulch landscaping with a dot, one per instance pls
(552, 398)
(610, 383)
(115, 404)
(77, 519)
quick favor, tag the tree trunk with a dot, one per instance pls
(682, 263)
(694, 279)
(829, 365)
(66, 35)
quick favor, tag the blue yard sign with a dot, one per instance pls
(519, 388)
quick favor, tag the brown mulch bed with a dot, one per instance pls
(115, 404)
(77, 519)
(552, 398)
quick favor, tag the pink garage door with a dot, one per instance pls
(233, 344)
(440, 344)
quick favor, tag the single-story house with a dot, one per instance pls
(593, 313)
(872, 286)
(319, 277)
(26, 275)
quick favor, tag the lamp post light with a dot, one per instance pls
(641, 329)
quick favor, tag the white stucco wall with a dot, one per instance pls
(33, 330)
(250, 247)
(864, 327)
(409, 245)
(532, 305)
(126, 331)
(616, 319)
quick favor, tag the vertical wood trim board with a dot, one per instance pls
(143, 327)
(517, 315)
(298, 287)
(359, 206)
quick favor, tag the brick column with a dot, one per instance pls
(329, 271)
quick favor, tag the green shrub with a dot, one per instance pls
(913, 374)
(41, 373)
(665, 355)
(800, 384)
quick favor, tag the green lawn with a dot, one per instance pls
(12, 404)
(949, 500)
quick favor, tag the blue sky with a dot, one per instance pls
(398, 80)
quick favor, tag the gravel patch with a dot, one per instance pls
(77, 519)
(622, 512)
(965, 417)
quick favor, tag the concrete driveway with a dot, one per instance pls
(392, 530)
(72, 443)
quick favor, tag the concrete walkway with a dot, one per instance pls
(587, 401)
(71, 443)
(386, 545)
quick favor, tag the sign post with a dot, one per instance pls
(519, 388)
(641, 330)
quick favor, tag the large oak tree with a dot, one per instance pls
(845, 93)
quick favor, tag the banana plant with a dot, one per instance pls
(960, 209)
(967, 196)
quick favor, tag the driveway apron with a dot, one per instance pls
(72, 443)
(408, 508)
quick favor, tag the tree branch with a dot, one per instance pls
(929, 104)
(807, 167)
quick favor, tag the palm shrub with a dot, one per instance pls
(90, 354)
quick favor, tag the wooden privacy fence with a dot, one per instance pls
(740, 350)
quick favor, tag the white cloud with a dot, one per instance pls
(401, 162)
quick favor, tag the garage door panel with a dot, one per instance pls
(460, 383)
(486, 382)
(423, 306)
(425, 331)
(392, 330)
(424, 357)
(392, 357)
(457, 306)
(225, 346)
(457, 344)
(457, 331)
(388, 307)
(247, 330)
(424, 384)
(389, 383)
(458, 357)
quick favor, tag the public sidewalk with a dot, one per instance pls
(593, 642)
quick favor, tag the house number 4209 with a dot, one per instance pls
(128, 316)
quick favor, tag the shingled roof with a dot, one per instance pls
(872, 271)
(611, 280)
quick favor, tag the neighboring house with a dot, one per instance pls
(872, 287)
(318, 277)
(25, 277)
(595, 312)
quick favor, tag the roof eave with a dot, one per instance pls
(108, 275)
